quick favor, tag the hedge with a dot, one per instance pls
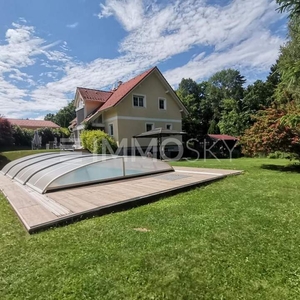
(22, 137)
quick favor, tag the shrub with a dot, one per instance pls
(96, 141)
(284, 155)
(268, 134)
(64, 132)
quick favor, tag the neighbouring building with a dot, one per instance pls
(138, 105)
(32, 124)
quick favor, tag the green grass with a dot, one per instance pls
(237, 238)
(7, 156)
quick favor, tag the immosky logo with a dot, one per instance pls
(158, 150)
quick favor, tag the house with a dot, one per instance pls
(32, 124)
(141, 104)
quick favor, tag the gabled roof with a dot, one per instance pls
(112, 98)
(94, 95)
(224, 137)
(124, 89)
(32, 123)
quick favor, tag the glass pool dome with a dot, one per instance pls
(51, 171)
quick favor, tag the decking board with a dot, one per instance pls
(98, 198)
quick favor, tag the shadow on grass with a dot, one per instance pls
(295, 168)
(3, 161)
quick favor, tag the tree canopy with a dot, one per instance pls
(264, 114)
(292, 7)
(221, 104)
(268, 134)
(64, 116)
(6, 133)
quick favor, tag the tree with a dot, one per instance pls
(64, 116)
(292, 7)
(273, 78)
(50, 117)
(233, 120)
(268, 134)
(204, 102)
(193, 96)
(188, 87)
(226, 84)
(48, 134)
(258, 95)
(289, 65)
(213, 127)
(6, 132)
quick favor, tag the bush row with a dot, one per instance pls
(279, 154)
(21, 137)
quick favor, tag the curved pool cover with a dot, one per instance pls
(51, 171)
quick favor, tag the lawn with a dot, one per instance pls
(237, 238)
(7, 156)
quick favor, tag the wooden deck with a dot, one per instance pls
(39, 212)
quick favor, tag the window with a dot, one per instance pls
(80, 105)
(149, 126)
(169, 126)
(111, 129)
(162, 104)
(139, 101)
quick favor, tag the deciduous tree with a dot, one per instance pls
(64, 116)
(193, 96)
(6, 132)
(233, 120)
(269, 134)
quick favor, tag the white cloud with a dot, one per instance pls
(73, 25)
(239, 34)
(22, 49)
(17, 75)
(40, 117)
(22, 20)
(256, 54)
(130, 13)
(182, 25)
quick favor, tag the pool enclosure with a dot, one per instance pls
(51, 171)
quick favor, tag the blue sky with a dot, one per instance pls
(48, 48)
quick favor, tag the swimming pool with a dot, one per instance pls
(48, 171)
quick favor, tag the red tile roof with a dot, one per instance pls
(124, 89)
(32, 123)
(94, 95)
(112, 98)
(224, 137)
